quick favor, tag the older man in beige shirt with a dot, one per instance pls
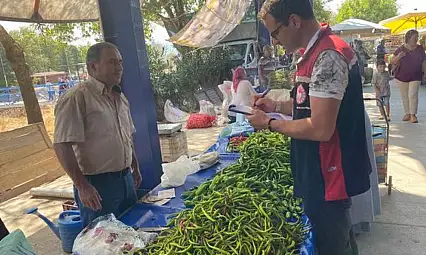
(93, 138)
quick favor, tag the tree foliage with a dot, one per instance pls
(16, 58)
(174, 14)
(370, 10)
(43, 53)
(322, 12)
(197, 69)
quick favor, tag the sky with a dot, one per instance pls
(160, 34)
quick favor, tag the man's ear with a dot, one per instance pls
(294, 21)
(92, 66)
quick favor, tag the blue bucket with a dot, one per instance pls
(70, 225)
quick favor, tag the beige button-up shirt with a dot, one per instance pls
(101, 127)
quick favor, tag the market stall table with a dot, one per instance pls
(154, 216)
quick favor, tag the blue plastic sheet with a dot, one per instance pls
(144, 215)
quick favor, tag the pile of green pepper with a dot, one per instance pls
(248, 208)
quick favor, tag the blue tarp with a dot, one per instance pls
(144, 215)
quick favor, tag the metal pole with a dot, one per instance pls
(78, 72)
(4, 73)
(66, 60)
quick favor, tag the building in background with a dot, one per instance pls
(53, 77)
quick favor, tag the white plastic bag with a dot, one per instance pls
(207, 107)
(173, 114)
(225, 88)
(174, 174)
(106, 235)
(279, 94)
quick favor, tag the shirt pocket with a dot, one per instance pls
(101, 121)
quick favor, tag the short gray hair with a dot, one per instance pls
(94, 51)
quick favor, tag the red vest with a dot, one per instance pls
(339, 168)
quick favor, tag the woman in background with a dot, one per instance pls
(422, 42)
(242, 91)
(410, 62)
(267, 61)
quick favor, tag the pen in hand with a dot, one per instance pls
(262, 103)
(264, 93)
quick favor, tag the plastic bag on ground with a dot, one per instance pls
(222, 121)
(173, 114)
(106, 235)
(174, 174)
(225, 88)
(207, 107)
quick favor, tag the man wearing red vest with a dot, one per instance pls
(329, 157)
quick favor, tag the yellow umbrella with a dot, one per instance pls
(416, 20)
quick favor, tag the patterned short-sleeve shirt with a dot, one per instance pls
(330, 76)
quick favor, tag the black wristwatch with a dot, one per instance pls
(269, 124)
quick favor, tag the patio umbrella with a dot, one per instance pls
(359, 26)
(411, 20)
(421, 32)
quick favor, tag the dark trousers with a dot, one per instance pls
(332, 226)
(116, 190)
(3, 230)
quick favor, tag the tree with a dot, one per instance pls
(174, 14)
(44, 52)
(370, 10)
(39, 51)
(6, 70)
(322, 13)
(16, 57)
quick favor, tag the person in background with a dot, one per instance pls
(93, 138)
(363, 58)
(290, 57)
(62, 86)
(381, 51)
(266, 61)
(410, 68)
(422, 42)
(329, 156)
(380, 83)
(242, 91)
